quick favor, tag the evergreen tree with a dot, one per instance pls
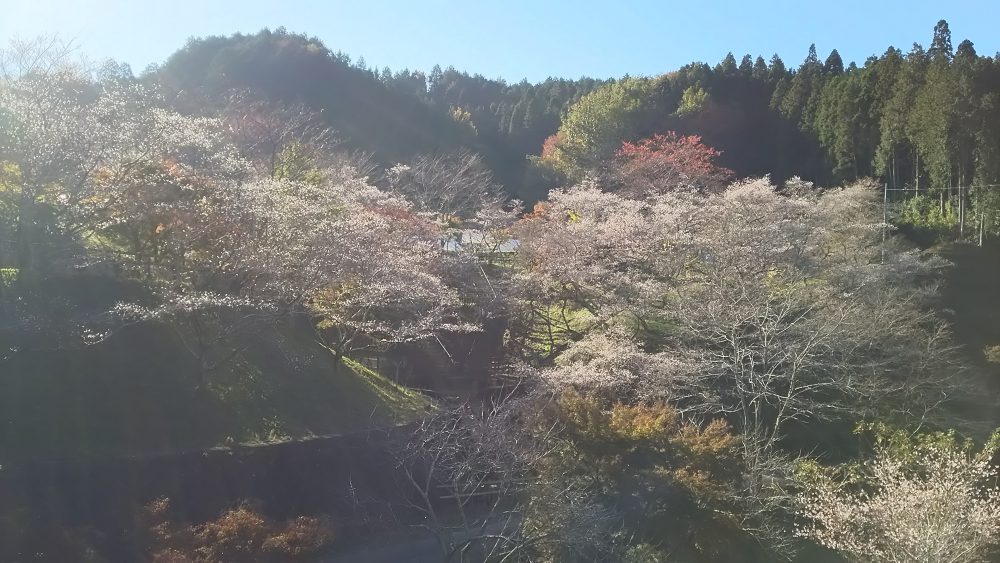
(759, 69)
(941, 43)
(778, 70)
(728, 66)
(887, 69)
(434, 83)
(896, 154)
(799, 102)
(692, 101)
(969, 119)
(834, 65)
(966, 49)
(811, 58)
(932, 122)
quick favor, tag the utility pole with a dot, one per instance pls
(961, 212)
(885, 216)
(982, 221)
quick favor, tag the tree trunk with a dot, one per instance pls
(25, 234)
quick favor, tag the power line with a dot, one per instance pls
(959, 188)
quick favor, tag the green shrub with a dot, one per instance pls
(992, 353)
(7, 277)
(926, 212)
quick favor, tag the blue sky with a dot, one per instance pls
(515, 39)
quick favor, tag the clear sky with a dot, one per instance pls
(515, 39)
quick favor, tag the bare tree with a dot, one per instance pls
(290, 141)
(450, 185)
(798, 319)
(41, 56)
(471, 473)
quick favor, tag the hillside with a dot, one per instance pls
(393, 116)
(744, 312)
(923, 117)
(137, 391)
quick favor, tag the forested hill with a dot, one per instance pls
(925, 118)
(392, 115)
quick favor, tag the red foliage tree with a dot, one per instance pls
(670, 161)
(549, 146)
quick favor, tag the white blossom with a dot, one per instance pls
(945, 507)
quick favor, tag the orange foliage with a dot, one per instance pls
(551, 145)
(241, 534)
(699, 458)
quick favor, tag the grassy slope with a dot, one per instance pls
(136, 393)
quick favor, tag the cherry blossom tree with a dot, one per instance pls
(591, 258)
(39, 56)
(79, 144)
(768, 306)
(941, 505)
(221, 244)
(782, 302)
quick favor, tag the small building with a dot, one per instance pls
(477, 240)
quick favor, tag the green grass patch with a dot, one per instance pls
(402, 404)
(556, 327)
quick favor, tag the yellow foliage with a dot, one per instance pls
(644, 422)
(715, 440)
(10, 175)
(462, 116)
(10, 188)
(328, 301)
(648, 441)
(302, 536)
(8, 276)
(594, 127)
(583, 414)
(698, 481)
(992, 353)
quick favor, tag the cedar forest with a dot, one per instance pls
(741, 312)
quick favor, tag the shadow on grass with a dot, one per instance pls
(136, 393)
